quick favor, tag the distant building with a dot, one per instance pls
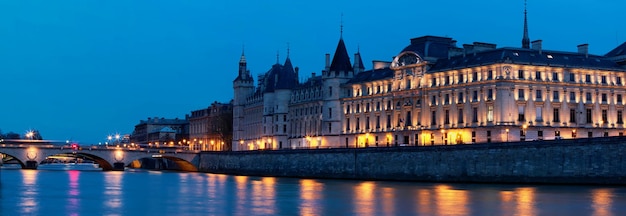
(160, 131)
(434, 93)
(210, 128)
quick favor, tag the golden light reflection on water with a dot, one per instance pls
(525, 198)
(389, 195)
(241, 199)
(451, 201)
(73, 200)
(264, 196)
(424, 202)
(602, 200)
(507, 201)
(29, 204)
(310, 196)
(364, 199)
(113, 190)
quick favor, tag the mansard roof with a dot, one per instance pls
(372, 75)
(287, 78)
(341, 60)
(430, 46)
(269, 80)
(618, 51)
(526, 57)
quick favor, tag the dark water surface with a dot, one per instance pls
(32, 192)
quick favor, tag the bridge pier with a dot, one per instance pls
(31, 165)
(118, 166)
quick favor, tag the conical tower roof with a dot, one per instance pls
(341, 59)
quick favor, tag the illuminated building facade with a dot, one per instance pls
(160, 131)
(436, 93)
(209, 127)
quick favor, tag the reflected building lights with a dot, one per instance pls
(525, 201)
(450, 201)
(364, 199)
(310, 196)
(241, 199)
(602, 201)
(264, 196)
(389, 195)
(424, 202)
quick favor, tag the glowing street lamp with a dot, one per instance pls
(507, 135)
(109, 138)
(30, 135)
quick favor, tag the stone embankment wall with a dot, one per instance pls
(581, 161)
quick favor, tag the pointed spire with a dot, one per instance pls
(277, 56)
(341, 27)
(341, 59)
(287, 49)
(243, 55)
(525, 39)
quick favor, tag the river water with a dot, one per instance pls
(40, 192)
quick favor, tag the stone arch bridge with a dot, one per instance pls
(29, 156)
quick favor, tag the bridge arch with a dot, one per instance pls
(183, 164)
(6, 156)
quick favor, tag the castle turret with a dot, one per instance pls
(339, 72)
(243, 87)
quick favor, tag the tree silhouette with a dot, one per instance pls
(11, 135)
(224, 128)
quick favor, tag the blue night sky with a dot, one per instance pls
(84, 69)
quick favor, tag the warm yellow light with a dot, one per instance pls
(525, 126)
(507, 130)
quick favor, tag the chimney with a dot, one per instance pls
(377, 64)
(481, 46)
(454, 51)
(536, 45)
(297, 69)
(327, 61)
(313, 75)
(584, 49)
(468, 49)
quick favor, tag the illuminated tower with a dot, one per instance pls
(243, 87)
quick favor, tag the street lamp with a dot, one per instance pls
(109, 138)
(30, 135)
(524, 132)
(443, 131)
(507, 135)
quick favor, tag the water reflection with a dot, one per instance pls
(525, 198)
(364, 199)
(73, 199)
(264, 196)
(113, 191)
(424, 202)
(241, 187)
(389, 195)
(450, 201)
(310, 197)
(29, 192)
(602, 200)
